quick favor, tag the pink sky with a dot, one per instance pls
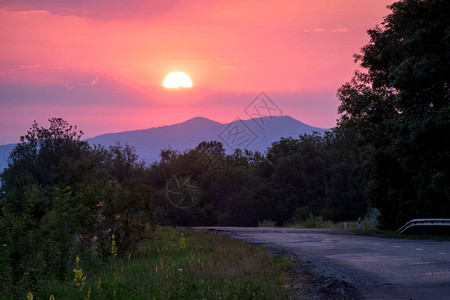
(100, 64)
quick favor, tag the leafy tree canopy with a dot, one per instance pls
(399, 107)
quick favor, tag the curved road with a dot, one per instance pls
(380, 268)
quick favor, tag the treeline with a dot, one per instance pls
(313, 174)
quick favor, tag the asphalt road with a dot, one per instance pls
(380, 268)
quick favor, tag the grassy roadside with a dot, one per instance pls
(394, 234)
(319, 222)
(175, 264)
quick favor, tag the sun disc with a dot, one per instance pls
(177, 79)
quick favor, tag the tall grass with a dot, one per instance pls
(176, 264)
(311, 222)
(267, 223)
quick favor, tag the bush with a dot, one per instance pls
(311, 222)
(267, 223)
(371, 218)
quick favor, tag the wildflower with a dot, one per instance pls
(52, 297)
(182, 242)
(79, 280)
(180, 270)
(99, 283)
(113, 246)
(100, 204)
(156, 268)
(114, 252)
(88, 294)
(30, 296)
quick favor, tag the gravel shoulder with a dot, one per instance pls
(307, 284)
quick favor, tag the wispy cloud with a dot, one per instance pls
(92, 83)
(232, 68)
(329, 30)
(99, 9)
(339, 30)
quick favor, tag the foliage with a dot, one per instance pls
(315, 173)
(310, 222)
(59, 196)
(267, 223)
(399, 111)
(371, 218)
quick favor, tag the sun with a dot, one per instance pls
(177, 79)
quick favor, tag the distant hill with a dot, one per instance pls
(255, 134)
(5, 150)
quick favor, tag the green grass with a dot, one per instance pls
(178, 264)
(395, 234)
(318, 222)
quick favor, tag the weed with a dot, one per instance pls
(267, 223)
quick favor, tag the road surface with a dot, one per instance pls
(380, 268)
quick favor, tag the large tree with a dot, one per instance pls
(400, 108)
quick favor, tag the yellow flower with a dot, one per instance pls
(30, 296)
(78, 276)
(113, 246)
(51, 297)
(99, 286)
(88, 294)
(182, 242)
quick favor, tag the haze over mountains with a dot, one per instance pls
(254, 134)
(99, 105)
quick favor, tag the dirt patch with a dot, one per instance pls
(305, 284)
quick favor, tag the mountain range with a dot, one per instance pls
(254, 134)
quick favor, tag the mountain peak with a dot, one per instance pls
(198, 120)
